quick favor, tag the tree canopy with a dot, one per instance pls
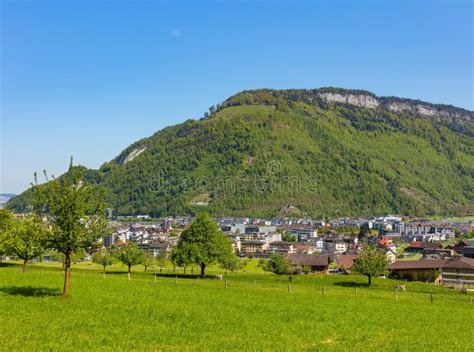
(130, 255)
(370, 262)
(278, 264)
(202, 243)
(75, 212)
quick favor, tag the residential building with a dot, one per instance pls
(316, 263)
(417, 270)
(458, 273)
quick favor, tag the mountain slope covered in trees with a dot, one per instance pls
(322, 152)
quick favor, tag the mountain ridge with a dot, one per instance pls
(322, 152)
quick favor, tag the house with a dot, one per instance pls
(155, 249)
(253, 247)
(345, 261)
(427, 232)
(437, 253)
(417, 270)
(317, 263)
(419, 247)
(458, 273)
(283, 247)
(304, 248)
(302, 234)
(335, 246)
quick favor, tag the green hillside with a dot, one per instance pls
(323, 152)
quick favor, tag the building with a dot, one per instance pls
(335, 246)
(303, 234)
(316, 263)
(427, 232)
(345, 262)
(155, 249)
(283, 247)
(254, 247)
(458, 273)
(417, 270)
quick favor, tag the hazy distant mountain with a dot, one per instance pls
(324, 152)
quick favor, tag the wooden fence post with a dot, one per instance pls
(254, 283)
(289, 288)
(431, 297)
(225, 283)
(155, 277)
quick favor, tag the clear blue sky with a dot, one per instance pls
(87, 78)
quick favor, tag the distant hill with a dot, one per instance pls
(321, 152)
(4, 198)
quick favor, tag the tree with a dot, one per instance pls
(289, 237)
(6, 221)
(202, 243)
(130, 255)
(161, 259)
(278, 264)
(364, 232)
(26, 238)
(103, 257)
(75, 211)
(370, 262)
(233, 263)
(148, 260)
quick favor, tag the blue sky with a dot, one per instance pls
(87, 78)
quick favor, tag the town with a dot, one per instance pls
(439, 251)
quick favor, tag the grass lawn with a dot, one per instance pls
(188, 314)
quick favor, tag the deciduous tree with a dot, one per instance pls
(130, 255)
(103, 257)
(26, 238)
(370, 262)
(278, 264)
(75, 211)
(202, 243)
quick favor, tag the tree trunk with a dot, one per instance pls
(203, 270)
(24, 265)
(370, 279)
(104, 270)
(129, 269)
(145, 268)
(67, 274)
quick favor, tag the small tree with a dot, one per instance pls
(148, 260)
(161, 259)
(130, 255)
(6, 223)
(233, 263)
(278, 264)
(103, 257)
(26, 238)
(75, 212)
(202, 243)
(370, 262)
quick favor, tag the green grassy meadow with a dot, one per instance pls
(188, 314)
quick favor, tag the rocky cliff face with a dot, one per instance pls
(420, 108)
(362, 100)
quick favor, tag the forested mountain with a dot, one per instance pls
(321, 152)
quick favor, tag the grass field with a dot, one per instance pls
(189, 314)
